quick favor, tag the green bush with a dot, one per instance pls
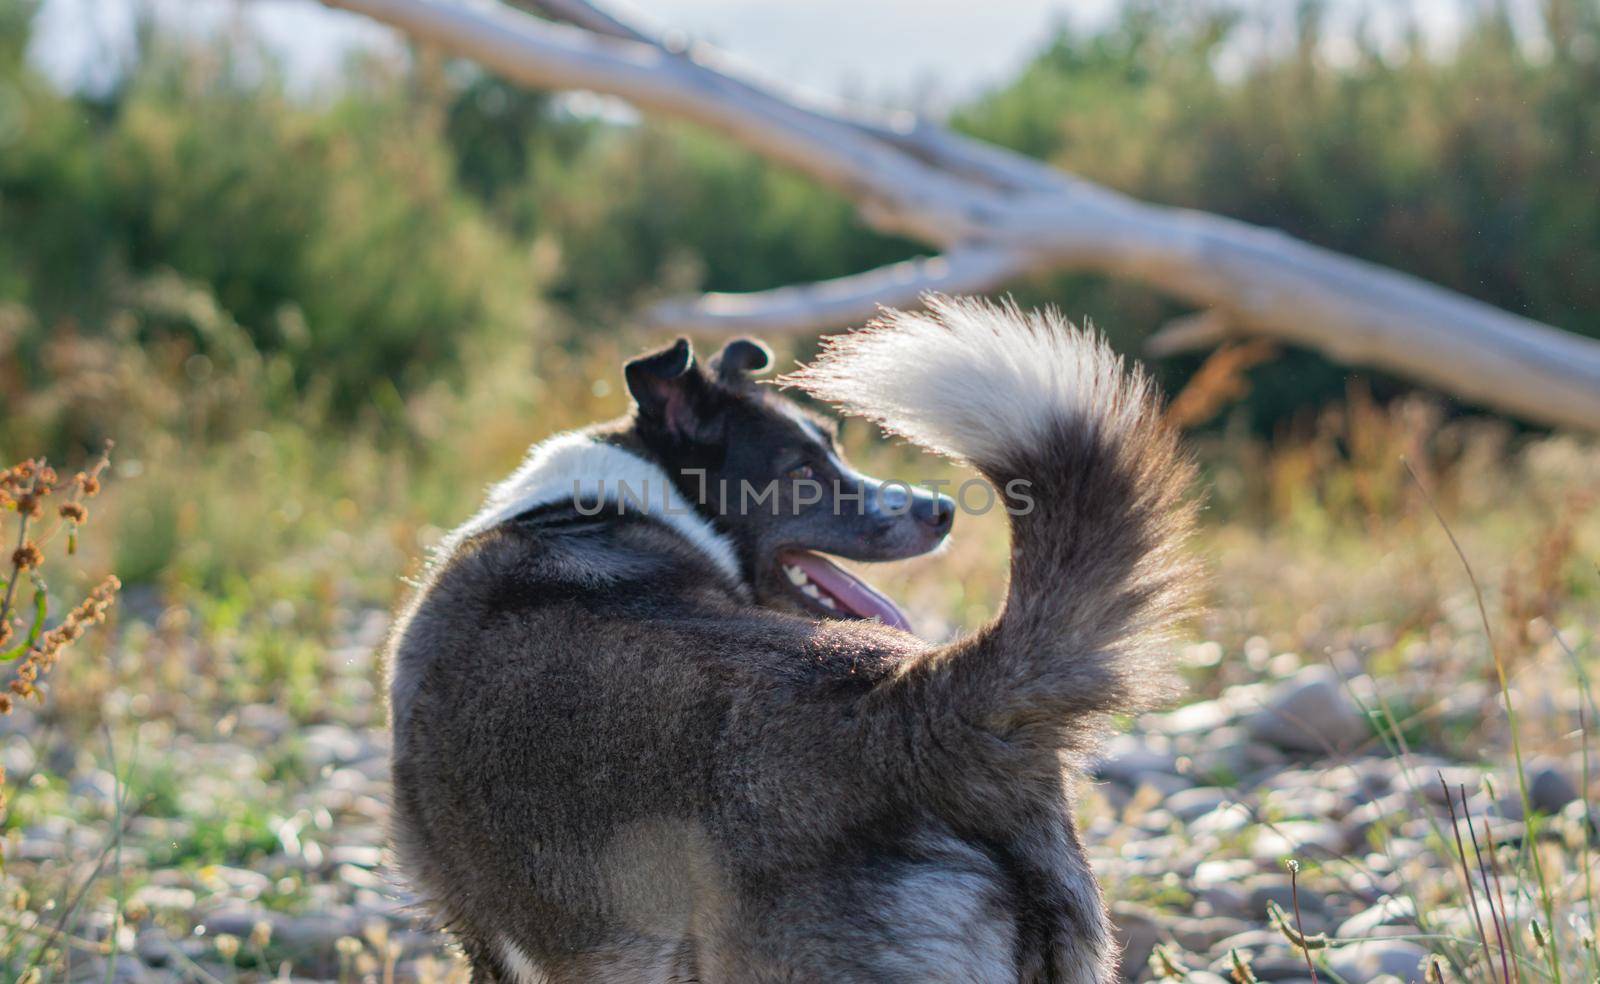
(333, 232)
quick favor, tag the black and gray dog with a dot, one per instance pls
(644, 732)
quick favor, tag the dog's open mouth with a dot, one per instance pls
(831, 592)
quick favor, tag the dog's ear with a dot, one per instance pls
(668, 387)
(740, 358)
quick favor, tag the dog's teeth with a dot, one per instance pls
(796, 575)
(828, 602)
(810, 590)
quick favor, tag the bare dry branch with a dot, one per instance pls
(996, 214)
(1189, 333)
(845, 300)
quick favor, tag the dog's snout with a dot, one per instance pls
(896, 498)
(938, 512)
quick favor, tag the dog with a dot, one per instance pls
(644, 732)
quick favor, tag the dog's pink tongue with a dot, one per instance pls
(858, 597)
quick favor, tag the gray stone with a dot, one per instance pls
(165, 898)
(1550, 788)
(264, 721)
(1227, 819)
(330, 744)
(36, 849)
(1387, 811)
(1127, 757)
(155, 948)
(97, 786)
(1267, 952)
(1364, 963)
(1223, 872)
(1253, 940)
(1302, 803)
(1230, 756)
(1164, 783)
(1201, 717)
(1286, 967)
(1507, 807)
(1200, 935)
(1458, 777)
(1138, 930)
(1299, 839)
(1273, 887)
(1309, 712)
(121, 969)
(1389, 911)
(1223, 900)
(1191, 804)
(1582, 816)
(361, 855)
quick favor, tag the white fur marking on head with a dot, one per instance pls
(968, 379)
(575, 465)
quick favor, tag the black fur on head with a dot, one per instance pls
(677, 396)
(714, 432)
(741, 358)
(670, 391)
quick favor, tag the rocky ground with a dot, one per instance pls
(1208, 805)
(254, 845)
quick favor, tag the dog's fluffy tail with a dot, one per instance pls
(1098, 490)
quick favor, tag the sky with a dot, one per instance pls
(890, 50)
(902, 52)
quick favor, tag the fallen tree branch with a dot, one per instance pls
(996, 214)
(1188, 333)
(842, 301)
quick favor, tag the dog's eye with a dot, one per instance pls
(800, 473)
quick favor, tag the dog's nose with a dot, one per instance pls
(937, 511)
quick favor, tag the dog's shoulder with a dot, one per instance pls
(551, 576)
(559, 554)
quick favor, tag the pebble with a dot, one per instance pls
(1232, 756)
(1309, 712)
(1365, 963)
(330, 744)
(1193, 803)
(1299, 839)
(1137, 930)
(122, 969)
(171, 898)
(1223, 900)
(1389, 911)
(1229, 818)
(155, 948)
(1127, 758)
(1302, 802)
(1223, 871)
(1200, 935)
(264, 721)
(1550, 788)
(1252, 940)
(1385, 811)
(1201, 717)
(1277, 888)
